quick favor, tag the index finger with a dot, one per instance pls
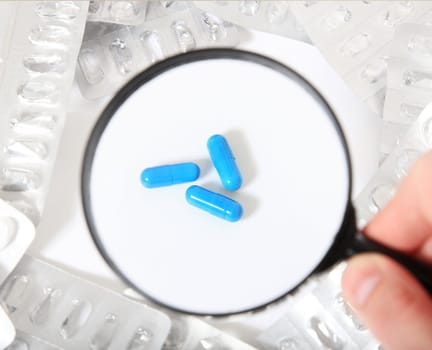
(405, 223)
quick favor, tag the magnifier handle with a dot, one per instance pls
(419, 269)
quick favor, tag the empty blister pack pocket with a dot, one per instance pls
(72, 313)
(16, 234)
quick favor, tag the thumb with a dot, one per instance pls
(390, 301)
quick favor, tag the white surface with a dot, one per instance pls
(294, 170)
(62, 236)
(7, 334)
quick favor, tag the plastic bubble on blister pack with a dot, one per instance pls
(189, 332)
(391, 135)
(38, 72)
(71, 313)
(409, 80)
(122, 56)
(420, 44)
(396, 13)
(58, 10)
(384, 184)
(318, 326)
(340, 16)
(283, 335)
(357, 39)
(34, 122)
(45, 63)
(329, 293)
(375, 70)
(126, 12)
(356, 44)
(268, 16)
(16, 234)
(152, 46)
(107, 61)
(319, 318)
(183, 35)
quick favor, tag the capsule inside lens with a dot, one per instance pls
(294, 194)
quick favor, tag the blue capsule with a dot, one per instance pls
(167, 175)
(214, 203)
(224, 162)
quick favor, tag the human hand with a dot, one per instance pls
(387, 298)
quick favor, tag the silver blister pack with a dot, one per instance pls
(130, 12)
(409, 81)
(37, 74)
(71, 313)
(106, 62)
(191, 333)
(319, 318)
(25, 341)
(16, 234)
(355, 37)
(267, 16)
(382, 187)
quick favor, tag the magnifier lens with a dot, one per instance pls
(295, 190)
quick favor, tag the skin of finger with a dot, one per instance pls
(406, 222)
(397, 309)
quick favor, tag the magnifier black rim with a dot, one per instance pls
(159, 68)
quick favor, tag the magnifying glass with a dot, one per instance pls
(298, 218)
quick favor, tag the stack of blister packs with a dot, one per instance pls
(382, 49)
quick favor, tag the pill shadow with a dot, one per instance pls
(243, 154)
(249, 203)
(205, 166)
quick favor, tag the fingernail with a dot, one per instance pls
(365, 288)
(360, 279)
(427, 250)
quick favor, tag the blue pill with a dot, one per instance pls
(214, 203)
(224, 162)
(167, 175)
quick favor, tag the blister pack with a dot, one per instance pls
(8, 333)
(37, 74)
(409, 80)
(16, 234)
(71, 313)
(382, 186)
(191, 333)
(267, 16)
(163, 8)
(25, 341)
(319, 319)
(118, 11)
(391, 135)
(355, 38)
(106, 62)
